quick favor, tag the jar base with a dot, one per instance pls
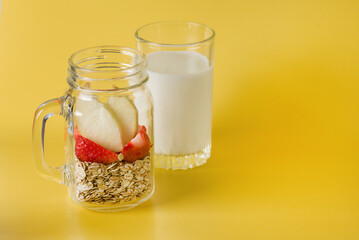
(183, 161)
(112, 207)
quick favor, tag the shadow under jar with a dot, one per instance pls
(109, 134)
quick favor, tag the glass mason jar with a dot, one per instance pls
(109, 135)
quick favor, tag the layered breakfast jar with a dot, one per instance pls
(108, 111)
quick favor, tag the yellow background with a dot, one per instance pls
(285, 153)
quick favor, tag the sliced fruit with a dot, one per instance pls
(138, 147)
(95, 122)
(126, 113)
(76, 132)
(89, 151)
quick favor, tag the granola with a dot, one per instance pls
(117, 182)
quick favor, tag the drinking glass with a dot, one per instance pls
(180, 68)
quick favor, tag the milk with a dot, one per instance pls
(181, 86)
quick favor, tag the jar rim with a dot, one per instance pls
(148, 41)
(109, 47)
(107, 68)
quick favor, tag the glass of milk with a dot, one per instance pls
(180, 68)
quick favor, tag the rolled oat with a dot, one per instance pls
(117, 182)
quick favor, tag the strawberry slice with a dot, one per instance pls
(89, 151)
(138, 147)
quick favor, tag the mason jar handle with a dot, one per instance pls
(42, 114)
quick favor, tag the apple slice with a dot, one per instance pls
(127, 115)
(95, 122)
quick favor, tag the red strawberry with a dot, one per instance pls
(89, 151)
(76, 132)
(138, 147)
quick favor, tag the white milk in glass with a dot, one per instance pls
(181, 86)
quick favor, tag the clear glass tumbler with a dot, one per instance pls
(108, 111)
(180, 68)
